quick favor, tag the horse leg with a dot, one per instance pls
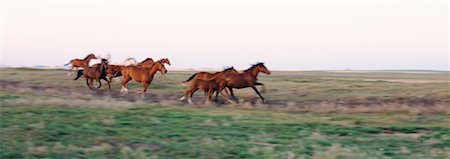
(100, 82)
(191, 93)
(224, 96)
(70, 71)
(87, 83)
(263, 87)
(185, 95)
(124, 83)
(257, 92)
(91, 83)
(109, 85)
(232, 94)
(144, 87)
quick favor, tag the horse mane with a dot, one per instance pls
(255, 65)
(147, 59)
(228, 68)
(88, 56)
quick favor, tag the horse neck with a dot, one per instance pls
(252, 71)
(88, 59)
(152, 71)
(101, 68)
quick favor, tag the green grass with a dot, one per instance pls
(168, 132)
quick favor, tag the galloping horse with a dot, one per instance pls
(245, 79)
(205, 81)
(141, 74)
(208, 86)
(96, 73)
(77, 63)
(207, 75)
(111, 72)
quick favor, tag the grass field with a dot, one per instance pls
(309, 114)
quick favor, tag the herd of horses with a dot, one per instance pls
(144, 72)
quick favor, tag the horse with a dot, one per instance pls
(206, 82)
(245, 79)
(141, 74)
(111, 72)
(77, 63)
(96, 73)
(208, 76)
(208, 86)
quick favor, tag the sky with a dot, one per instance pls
(285, 34)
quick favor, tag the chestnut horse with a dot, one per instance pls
(207, 75)
(95, 73)
(245, 79)
(141, 74)
(208, 86)
(77, 63)
(206, 82)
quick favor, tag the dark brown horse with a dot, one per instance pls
(111, 72)
(206, 82)
(141, 74)
(248, 78)
(80, 63)
(95, 73)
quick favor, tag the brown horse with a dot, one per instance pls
(208, 76)
(95, 73)
(205, 81)
(141, 74)
(245, 79)
(208, 86)
(80, 63)
(111, 72)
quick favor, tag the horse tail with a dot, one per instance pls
(118, 72)
(190, 78)
(79, 74)
(68, 63)
(184, 83)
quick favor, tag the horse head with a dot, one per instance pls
(165, 60)
(260, 66)
(160, 67)
(230, 70)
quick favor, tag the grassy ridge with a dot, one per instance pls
(168, 132)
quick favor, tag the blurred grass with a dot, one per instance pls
(171, 132)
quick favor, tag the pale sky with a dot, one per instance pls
(286, 35)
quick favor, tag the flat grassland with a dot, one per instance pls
(309, 114)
